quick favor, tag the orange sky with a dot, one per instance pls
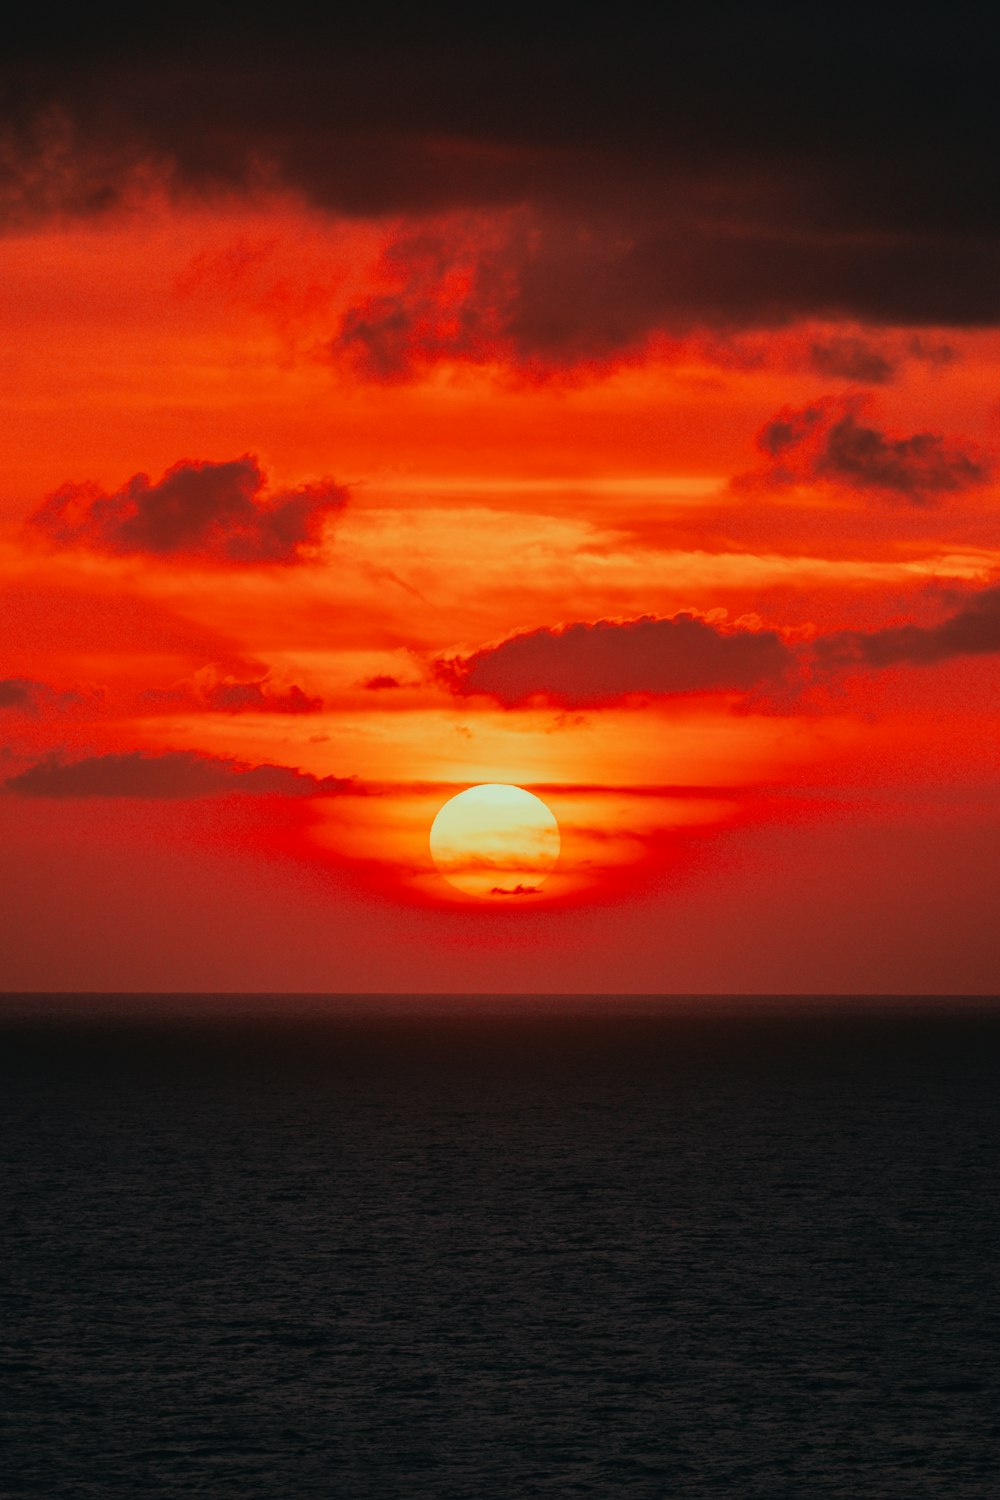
(396, 536)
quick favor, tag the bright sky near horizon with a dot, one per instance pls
(623, 433)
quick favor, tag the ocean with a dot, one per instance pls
(277, 1247)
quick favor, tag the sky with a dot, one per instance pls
(394, 404)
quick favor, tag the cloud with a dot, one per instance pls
(208, 512)
(743, 166)
(864, 361)
(170, 774)
(826, 443)
(538, 292)
(381, 682)
(593, 663)
(933, 353)
(549, 287)
(210, 690)
(972, 631)
(852, 358)
(449, 292)
(261, 697)
(23, 693)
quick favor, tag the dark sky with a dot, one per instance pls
(741, 165)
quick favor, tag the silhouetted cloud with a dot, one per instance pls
(972, 631)
(170, 774)
(382, 682)
(600, 663)
(216, 693)
(210, 512)
(261, 697)
(869, 361)
(740, 165)
(826, 443)
(547, 290)
(851, 358)
(591, 663)
(28, 696)
(22, 693)
(930, 352)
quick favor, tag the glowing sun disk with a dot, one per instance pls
(495, 841)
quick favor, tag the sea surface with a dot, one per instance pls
(279, 1247)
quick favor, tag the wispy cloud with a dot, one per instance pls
(170, 774)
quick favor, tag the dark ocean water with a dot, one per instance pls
(479, 1247)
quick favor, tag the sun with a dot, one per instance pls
(495, 841)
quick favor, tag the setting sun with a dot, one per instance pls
(495, 841)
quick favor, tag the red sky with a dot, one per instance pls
(629, 436)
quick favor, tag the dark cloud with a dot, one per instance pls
(22, 693)
(233, 689)
(169, 774)
(210, 512)
(261, 697)
(738, 165)
(27, 696)
(232, 695)
(604, 662)
(931, 351)
(554, 290)
(600, 662)
(973, 630)
(854, 359)
(455, 108)
(827, 443)
(519, 290)
(381, 683)
(450, 298)
(864, 361)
